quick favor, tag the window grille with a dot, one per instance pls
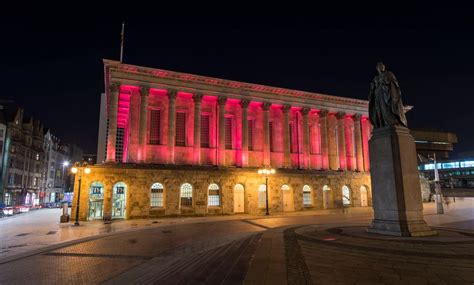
(186, 195)
(155, 127)
(214, 197)
(156, 197)
(228, 133)
(205, 131)
(180, 129)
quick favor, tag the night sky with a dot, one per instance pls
(53, 66)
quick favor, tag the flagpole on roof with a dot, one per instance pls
(121, 41)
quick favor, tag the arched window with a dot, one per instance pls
(262, 196)
(239, 187)
(214, 197)
(156, 197)
(307, 199)
(186, 195)
(285, 187)
(346, 196)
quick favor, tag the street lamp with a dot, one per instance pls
(266, 172)
(79, 168)
(65, 165)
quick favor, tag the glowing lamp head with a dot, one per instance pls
(74, 170)
(260, 171)
(272, 171)
(87, 170)
(66, 163)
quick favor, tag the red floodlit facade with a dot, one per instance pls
(163, 117)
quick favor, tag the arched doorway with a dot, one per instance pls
(326, 197)
(346, 196)
(363, 196)
(119, 201)
(96, 201)
(288, 201)
(239, 198)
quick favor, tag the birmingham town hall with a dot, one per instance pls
(181, 144)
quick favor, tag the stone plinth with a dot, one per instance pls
(396, 196)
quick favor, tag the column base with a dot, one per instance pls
(402, 229)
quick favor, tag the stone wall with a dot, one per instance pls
(139, 179)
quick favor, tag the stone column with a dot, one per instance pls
(358, 143)
(143, 122)
(341, 140)
(286, 136)
(171, 124)
(244, 104)
(323, 129)
(365, 126)
(222, 101)
(114, 90)
(306, 142)
(197, 97)
(332, 142)
(266, 134)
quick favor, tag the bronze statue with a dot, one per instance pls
(385, 101)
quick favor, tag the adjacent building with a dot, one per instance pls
(56, 168)
(183, 144)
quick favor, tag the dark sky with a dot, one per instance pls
(53, 65)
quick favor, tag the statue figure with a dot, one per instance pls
(385, 101)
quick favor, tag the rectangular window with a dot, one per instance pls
(214, 199)
(156, 197)
(155, 127)
(205, 131)
(228, 133)
(119, 145)
(250, 125)
(293, 143)
(307, 198)
(270, 134)
(180, 129)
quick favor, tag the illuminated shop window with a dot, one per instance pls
(307, 199)
(214, 197)
(156, 197)
(186, 195)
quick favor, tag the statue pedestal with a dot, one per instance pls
(396, 193)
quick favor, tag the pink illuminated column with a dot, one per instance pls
(197, 97)
(286, 136)
(332, 142)
(244, 104)
(341, 142)
(306, 145)
(323, 129)
(266, 133)
(222, 101)
(358, 143)
(114, 90)
(171, 124)
(143, 123)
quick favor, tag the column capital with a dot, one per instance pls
(305, 111)
(340, 115)
(222, 100)
(266, 106)
(172, 93)
(144, 90)
(286, 108)
(244, 103)
(197, 97)
(323, 112)
(357, 117)
(114, 87)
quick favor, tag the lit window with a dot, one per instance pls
(214, 197)
(262, 196)
(156, 198)
(37, 156)
(155, 127)
(186, 195)
(307, 200)
(346, 196)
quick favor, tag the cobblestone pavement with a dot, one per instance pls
(320, 247)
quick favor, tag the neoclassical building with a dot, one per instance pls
(180, 144)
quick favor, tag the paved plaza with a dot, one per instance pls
(312, 247)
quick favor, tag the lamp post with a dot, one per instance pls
(79, 168)
(439, 202)
(266, 172)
